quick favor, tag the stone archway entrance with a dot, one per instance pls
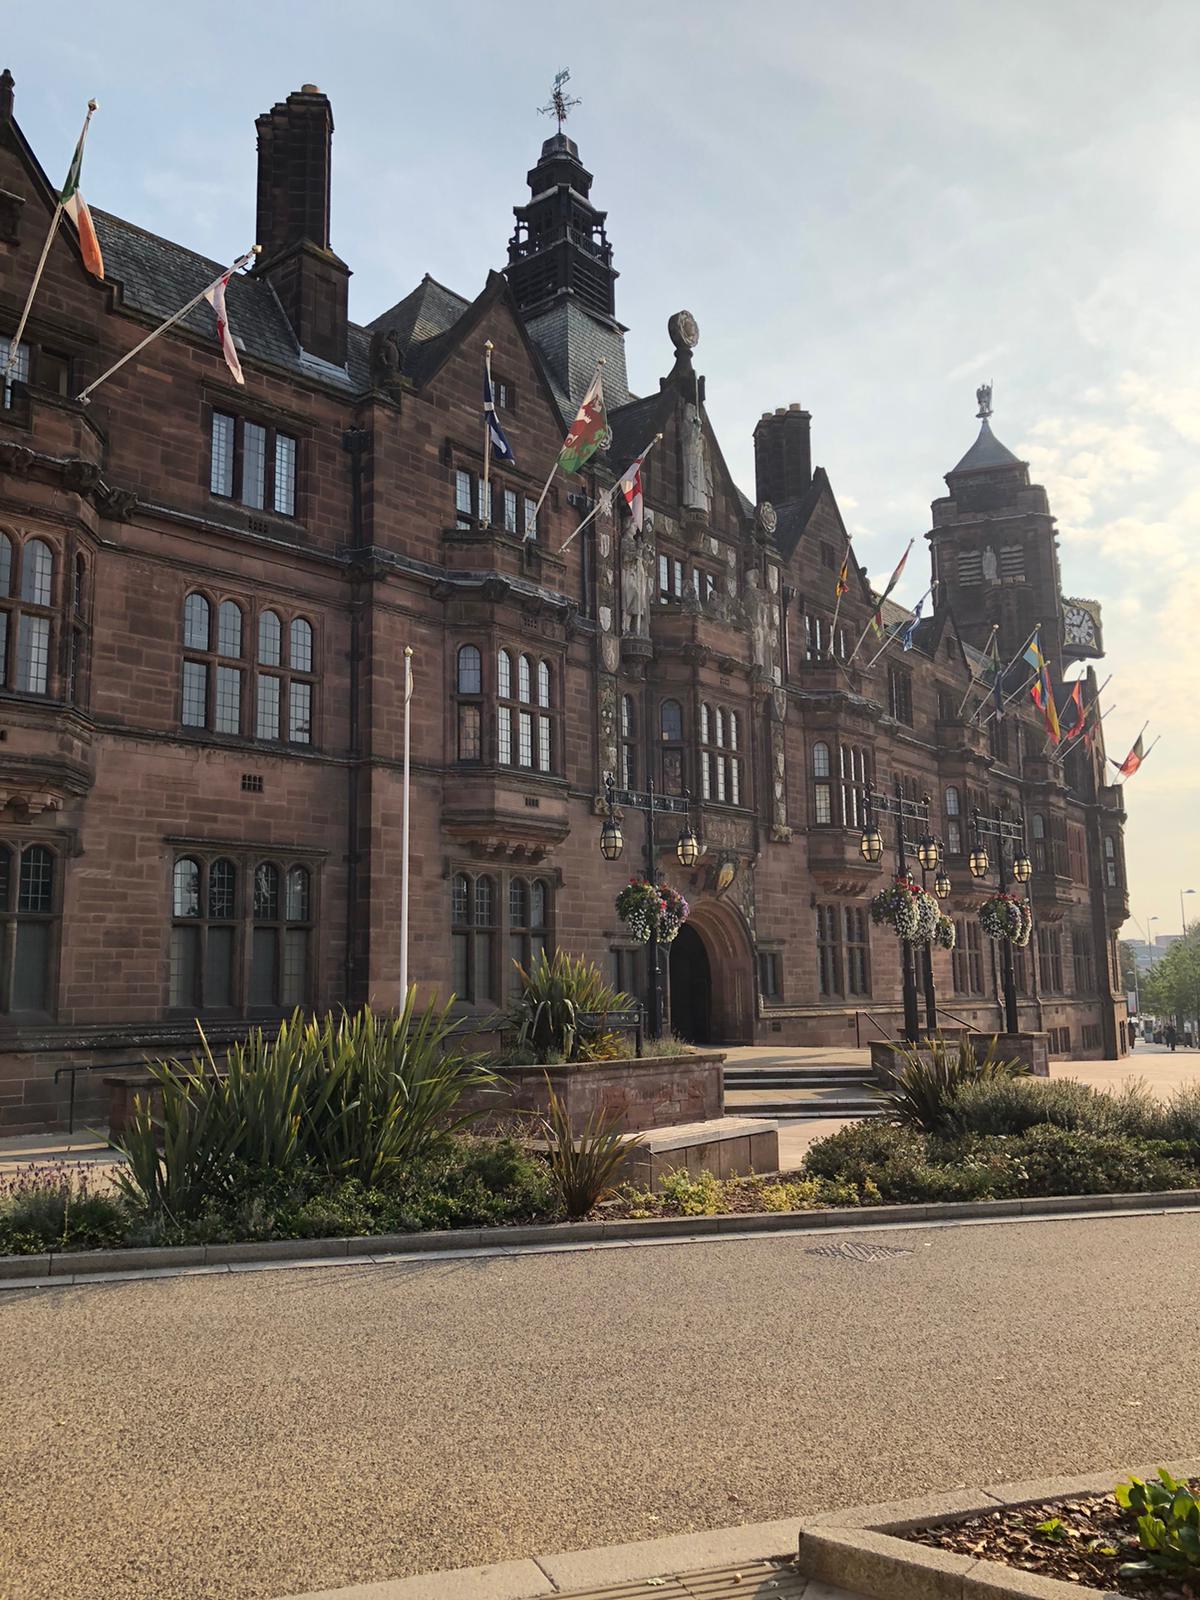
(711, 977)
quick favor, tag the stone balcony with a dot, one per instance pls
(835, 861)
(505, 814)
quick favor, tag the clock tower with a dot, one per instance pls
(995, 552)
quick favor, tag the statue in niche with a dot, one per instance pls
(758, 620)
(991, 568)
(637, 577)
(385, 360)
(697, 470)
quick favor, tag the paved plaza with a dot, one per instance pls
(268, 1433)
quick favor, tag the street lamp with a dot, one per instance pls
(941, 884)
(1182, 917)
(1013, 835)
(929, 853)
(612, 842)
(871, 846)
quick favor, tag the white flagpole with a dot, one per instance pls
(877, 610)
(608, 496)
(1005, 670)
(1133, 746)
(1075, 738)
(558, 457)
(15, 341)
(1008, 699)
(169, 323)
(487, 440)
(890, 639)
(408, 689)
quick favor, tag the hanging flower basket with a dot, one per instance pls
(1006, 916)
(945, 936)
(908, 910)
(646, 908)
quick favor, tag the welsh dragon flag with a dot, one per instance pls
(76, 207)
(589, 432)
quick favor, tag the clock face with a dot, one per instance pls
(1080, 627)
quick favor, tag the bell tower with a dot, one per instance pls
(995, 551)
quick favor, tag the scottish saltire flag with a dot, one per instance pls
(501, 448)
(910, 627)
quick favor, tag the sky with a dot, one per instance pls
(870, 208)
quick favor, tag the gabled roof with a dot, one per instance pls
(428, 310)
(635, 424)
(572, 340)
(986, 452)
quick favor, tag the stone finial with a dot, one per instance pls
(7, 84)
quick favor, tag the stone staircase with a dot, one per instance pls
(787, 1092)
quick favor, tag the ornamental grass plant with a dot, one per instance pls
(920, 1091)
(559, 1013)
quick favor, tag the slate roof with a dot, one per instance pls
(429, 311)
(987, 451)
(571, 341)
(634, 425)
(157, 276)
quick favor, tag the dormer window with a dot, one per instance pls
(254, 464)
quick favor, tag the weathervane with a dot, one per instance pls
(984, 396)
(560, 104)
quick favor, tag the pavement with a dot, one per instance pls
(273, 1433)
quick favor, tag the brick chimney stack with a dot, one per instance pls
(295, 148)
(783, 454)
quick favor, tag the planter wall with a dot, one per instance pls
(653, 1092)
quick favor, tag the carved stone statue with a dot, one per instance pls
(385, 359)
(991, 567)
(697, 471)
(637, 570)
(983, 396)
(758, 619)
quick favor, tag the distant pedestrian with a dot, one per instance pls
(1170, 1036)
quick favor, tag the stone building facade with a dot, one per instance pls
(205, 595)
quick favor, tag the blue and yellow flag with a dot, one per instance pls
(1042, 691)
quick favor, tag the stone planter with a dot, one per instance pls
(645, 1092)
(1031, 1048)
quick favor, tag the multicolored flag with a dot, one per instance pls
(910, 627)
(215, 295)
(843, 577)
(1134, 759)
(1042, 691)
(631, 487)
(76, 207)
(1075, 710)
(877, 619)
(589, 432)
(501, 448)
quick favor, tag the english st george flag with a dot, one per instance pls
(215, 295)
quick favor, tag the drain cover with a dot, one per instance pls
(851, 1250)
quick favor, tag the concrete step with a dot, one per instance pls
(858, 1106)
(794, 1077)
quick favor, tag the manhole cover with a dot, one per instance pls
(851, 1250)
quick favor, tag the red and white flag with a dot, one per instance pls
(215, 295)
(631, 488)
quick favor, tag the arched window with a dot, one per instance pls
(270, 640)
(6, 561)
(297, 936)
(37, 572)
(264, 947)
(528, 933)
(524, 737)
(473, 937)
(720, 765)
(1110, 861)
(855, 768)
(670, 725)
(469, 688)
(80, 585)
(301, 657)
(222, 890)
(820, 760)
(196, 622)
(229, 629)
(1041, 852)
(952, 805)
(629, 761)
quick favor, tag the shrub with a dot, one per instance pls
(587, 1166)
(854, 1153)
(1181, 1115)
(920, 1092)
(548, 1015)
(356, 1097)
(1073, 1161)
(688, 1196)
(1013, 1107)
(57, 1207)
(1167, 1515)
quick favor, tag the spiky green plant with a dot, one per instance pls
(585, 1166)
(558, 995)
(920, 1091)
(352, 1097)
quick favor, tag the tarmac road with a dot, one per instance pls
(263, 1433)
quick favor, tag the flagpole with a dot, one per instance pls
(558, 457)
(408, 689)
(877, 609)
(607, 497)
(1008, 666)
(14, 342)
(974, 676)
(891, 639)
(1008, 699)
(1133, 746)
(1061, 755)
(487, 439)
(169, 323)
(838, 606)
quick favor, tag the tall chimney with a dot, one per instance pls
(295, 147)
(783, 454)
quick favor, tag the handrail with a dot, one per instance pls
(876, 1022)
(944, 1011)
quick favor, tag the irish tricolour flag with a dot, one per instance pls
(76, 207)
